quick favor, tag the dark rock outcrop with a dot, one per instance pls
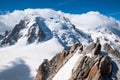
(105, 67)
(111, 50)
(34, 33)
(43, 71)
(13, 36)
(92, 48)
(1, 37)
(97, 49)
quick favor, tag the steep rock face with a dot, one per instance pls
(12, 37)
(110, 50)
(1, 37)
(56, 63)
(94, 74)
(96, 68)
(24, 30)
(43, 71)
(105, 67)
(93, 48)
(35, 32)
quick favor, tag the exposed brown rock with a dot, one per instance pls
(93, 48)
(73, 48)
(105, 67)
(89, 48)
(97, 49)
(54, 65)
(43, 71)
(86, 68)
(96, 68)
(94, 73)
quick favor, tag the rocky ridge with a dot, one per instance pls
(90, 67)
(48, 69)
(33, 32)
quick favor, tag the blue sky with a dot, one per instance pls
(107, 7)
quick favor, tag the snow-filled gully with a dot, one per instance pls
(65, 72)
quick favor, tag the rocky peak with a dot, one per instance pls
(29, 29)
(98, 67)
(13, 36)
(35, 32)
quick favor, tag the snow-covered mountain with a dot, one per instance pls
(28, 37)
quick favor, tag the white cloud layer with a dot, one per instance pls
(88, 20)
(93, 20)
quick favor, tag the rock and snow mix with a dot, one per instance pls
(23, 50)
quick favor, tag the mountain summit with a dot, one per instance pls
(44, 44)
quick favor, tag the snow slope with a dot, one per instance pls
(31, 57)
